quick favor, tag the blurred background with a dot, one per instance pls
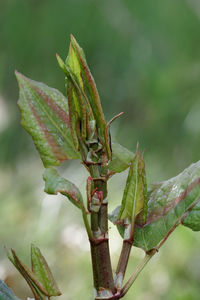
(145, 57)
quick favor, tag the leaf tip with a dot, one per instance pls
(75, 44)
(72, 37)
(60, 62)
(18, 75)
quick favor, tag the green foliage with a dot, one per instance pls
(168, 202)
(83, 99)
(121, 158)
(45, 116)
(55, 184)
(145, 59)
(43, 273)
(5, 292)
(40, 278)
(76, 128)
(93, 96)
(134, 200)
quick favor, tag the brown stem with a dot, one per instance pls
(123, 262)
(124, 256)
(101, 264)
(100, 254)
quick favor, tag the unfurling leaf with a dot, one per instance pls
(25, 271)
(41, 269)
(6, 293)
(169, 202)
(121, 158)
(83, 97)
(75, 92)
(36, 287)
(134, 200)
(93, 96)
(39, 279)
(55, 184)
(44, 114)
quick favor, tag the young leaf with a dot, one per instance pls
(55, 184)
(39, 279)
(38, 290)
(80, 112)
(44, 113)
(6, 293)
(41, 269)
(135, 194)
(93, 96)
(75, 93)
(121, 158)
(168, 203)
(73, 63)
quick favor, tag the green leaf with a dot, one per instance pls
(6, 293)
(134, 200)
(75, 89)
(39, 279)
(193, 218)
(168, 203)
(73, 63)
(44, 114)
(55, 184)
(93, 96)
(121, 158)
(80, 112)
(42, 272)
(38, 290)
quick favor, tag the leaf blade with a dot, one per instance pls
(44, 114)
(94, 99)
(168, 201)
(37, 289)
(42, 272)
(55, 184)
(134, 199)
(121, 158)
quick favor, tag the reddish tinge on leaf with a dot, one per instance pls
(44, 114)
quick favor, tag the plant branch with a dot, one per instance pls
(134, 276)
(152, 252)
(125, 254)
(122, 263)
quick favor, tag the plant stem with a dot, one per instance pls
(87, 225)
(102, 271)
(122, 264)
(124, 256)
(100, 254)
(134, 276)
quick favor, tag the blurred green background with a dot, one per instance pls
(145, 57)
